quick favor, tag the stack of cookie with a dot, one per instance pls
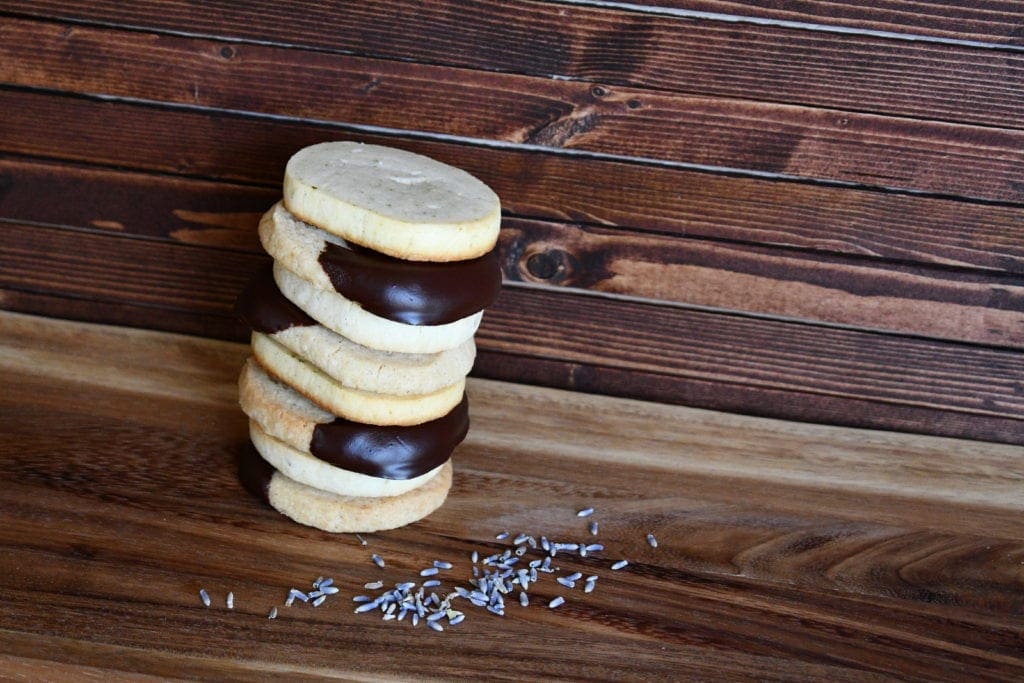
(363, 334)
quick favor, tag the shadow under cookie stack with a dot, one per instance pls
(363, 335)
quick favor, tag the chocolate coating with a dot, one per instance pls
(391, 452)
(255, 473)
(412, 292)
(265, 309)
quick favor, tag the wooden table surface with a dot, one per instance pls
(787, 550)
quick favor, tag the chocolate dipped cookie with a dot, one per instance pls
(362, 335)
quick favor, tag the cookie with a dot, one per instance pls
(409, 292)
(315, 448)
(348, 319)
(405, 292)
(268, 311)
(395, 202)
(311, 471)
(348, 402)
(331, 512)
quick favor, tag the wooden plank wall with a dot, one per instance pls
(810, 210)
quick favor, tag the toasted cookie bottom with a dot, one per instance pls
(341, 514)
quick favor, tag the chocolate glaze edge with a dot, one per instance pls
(264, 308)
(255, 473)
(412, 292)
(391, 452)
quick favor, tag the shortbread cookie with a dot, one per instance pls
(268, 311)
(397, 453)
(331, 512)
(348, 319)
(311, 471)
(353, 404)
(396, 202)
(409, 292)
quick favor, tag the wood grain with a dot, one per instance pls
(740, 134)
(194, 211)
(105, 267)
(734, 349)
(815, 373)
(72, 306)
(774, 563)
(611, 46)
(747, 399)
(532, 184)
(938, 302)
(520, 368)
(994, 21)
(909, 299)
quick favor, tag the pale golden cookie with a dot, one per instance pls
(350, 403)
(351, 514)
(398, 203)
(311, 471)
(350, 320)
(382, 372)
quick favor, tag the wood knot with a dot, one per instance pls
(598, 91)
(227, 52)
(553, 266)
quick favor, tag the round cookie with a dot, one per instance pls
(284, 413)
(306, 469)
(315, 448)
(265, 309)
(348, 319)
(408, 292)
(340, 514)
(398, 203)
(353, 404)
(382, 372)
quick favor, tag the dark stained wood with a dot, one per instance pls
(990, 21)
(911, 299)
(815, 373)
(550, 186)
(107, 267)
(746, 399)
(738, 350)
(773, 563)
(652, 386)
(773, 138)
(194, 211)
(976, 306)
(611, 46)
(130, 314)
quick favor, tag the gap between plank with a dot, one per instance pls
(133, 28)
(870, 259)
(787, 23)
(385, 131)
(533, 286)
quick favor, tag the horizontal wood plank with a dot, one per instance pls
(83, 307)
(980, 307)
(531, 184)
(746, 399)
(935, 157)
(189, 210)
(651, 386)
(815, 373)
(772, 563)
(632, 48)
(909, 299)
(144, 272)
(732, 349)
(992, 21)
